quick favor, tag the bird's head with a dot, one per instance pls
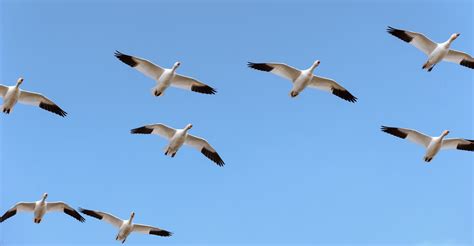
(132, 215)
(189, 126)
(316, 63)
(19, 81)
(45, 195)
(455, 36)
(176, 65)
(445, 132)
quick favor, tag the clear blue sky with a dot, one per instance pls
(310, 170)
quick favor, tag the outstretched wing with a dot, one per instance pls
(332, 87)
(41, 101)
(191, 84)
(460, 58)
(279, 69)
(146, 67)
(63, 207)
(103, 216)
(416, 39)
(458, 143)
(158, 129)
(151, 230)
(205, 148)
(412, 135)
(19, 207)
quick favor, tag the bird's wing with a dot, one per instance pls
(205, 148)
(279, 69)
(158, 129)
(416, 39)
(191, 84)
(41, 101)
(409, 134)
(332, 87)
(151, 230)
(63, 207)
(146, 67)
(3, 90)
(19, 207)
(458, 143)
(460, 58)
(103, 216)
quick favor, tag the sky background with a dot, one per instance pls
(308, 170)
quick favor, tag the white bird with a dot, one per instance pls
(436, 52)
(303, 78)
(13, 94)
(125, 226)
(40, 208)
(178, 137)
(164, 77)
(432, 144)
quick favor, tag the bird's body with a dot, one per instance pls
(301, 79)
(125, 227)
(177, 138)
(436, 52)
(13, 94)
(164, 77)
(432, 144)
(40, 208)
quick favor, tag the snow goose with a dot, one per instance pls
(164, 77)
(12, 94)
(432, 144)
(303, 78)
(125, 226)
(436, 52)
(178, 137)
(40, 208)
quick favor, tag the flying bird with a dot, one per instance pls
(126, 227)
(178, 137)
(432, 144)
(40, 208)
(164, 77)
(13, 94)
(304, 78)
(436, 52)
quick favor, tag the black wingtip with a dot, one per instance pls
(401, 34)
(467, 63)
(127, 59)
(73, 213)
(346, 95)
(393, 131)
(204, 89)
(90, 213)
(213, 156)
(141, 130)
(162, 233)
(260, 66)
(53, 108)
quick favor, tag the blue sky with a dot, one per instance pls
(310, 170)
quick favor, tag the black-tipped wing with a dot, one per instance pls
(412, 135)
(63, 207)
(146, 67)
(151, 230)
(333, 87)
(19, 207)
(416, 39)
(158, 129)
(279, 69)
(41, 101)
(191, 84)
(458, 143)
(205, 148)
(103, 216)
(460, 58)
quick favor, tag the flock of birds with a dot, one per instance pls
(165, 78)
